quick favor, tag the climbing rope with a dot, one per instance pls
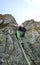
(18, 35)
(26, 58)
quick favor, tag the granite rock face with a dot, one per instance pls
(32, 41)
(10, 52)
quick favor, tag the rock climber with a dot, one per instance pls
(20, 28)
(20, 33)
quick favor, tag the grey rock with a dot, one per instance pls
(32, 40)
(10, 52)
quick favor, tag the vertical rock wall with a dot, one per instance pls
(10, 52)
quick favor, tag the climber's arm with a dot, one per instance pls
(15, 25)
(19, 28)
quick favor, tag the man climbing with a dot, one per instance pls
(22, 29)
(20, 33)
